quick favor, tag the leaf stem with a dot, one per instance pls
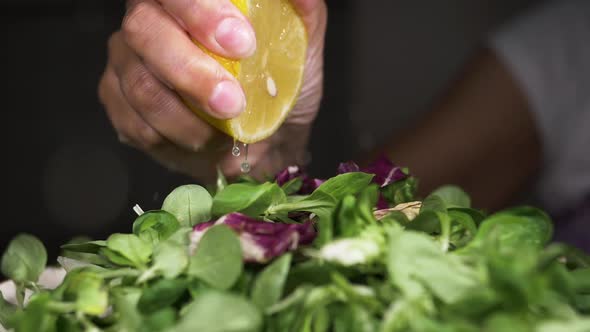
(61, 307)
(110, 274)
(20, 295)
(33, 286)
(146, 275)
(88, 325)
(445, 225)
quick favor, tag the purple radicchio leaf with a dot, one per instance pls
(309, 184)
(348, 167)
(261, 241)
(385, 171)
(203, 226)
(287, 175)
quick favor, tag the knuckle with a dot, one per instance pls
(191, 6)
(113, 44)
(137, 21)
(204, 14)
(102, 90)
(148, 95)
(195, 75)
(142, 88)
(189, 73)
(131, 3)
(106, 87)
(219, 74)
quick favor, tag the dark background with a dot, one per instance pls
(65, 172)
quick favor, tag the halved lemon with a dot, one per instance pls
(272, 77)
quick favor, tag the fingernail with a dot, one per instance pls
(123, 139)
(227, 99)
(150, 137)
(236, 37)
(197, 147)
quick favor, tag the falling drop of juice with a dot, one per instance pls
(245, 167)
(235, 151)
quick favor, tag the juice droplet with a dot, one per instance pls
(235, 151)
(245, 167)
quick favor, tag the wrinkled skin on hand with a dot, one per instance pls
(152, 59)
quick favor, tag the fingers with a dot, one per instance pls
(217, 24)
(134, 131)
(130, 127)
(167, 50)
(153, 102)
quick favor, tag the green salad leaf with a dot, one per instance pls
(155, 226)
(216, 311)
(247, 198)
(24, 259)
(128, 249)
(453, 197)
(190, 204)
(161, 294)
(218, 258)
(268, 286)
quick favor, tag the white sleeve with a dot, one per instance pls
(548, 53)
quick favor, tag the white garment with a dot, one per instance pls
(548, 52)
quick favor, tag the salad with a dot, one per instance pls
(357, 252)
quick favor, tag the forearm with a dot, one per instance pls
(480, 136)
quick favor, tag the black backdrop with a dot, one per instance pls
(65, 174)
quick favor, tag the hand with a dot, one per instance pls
(152, 58)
